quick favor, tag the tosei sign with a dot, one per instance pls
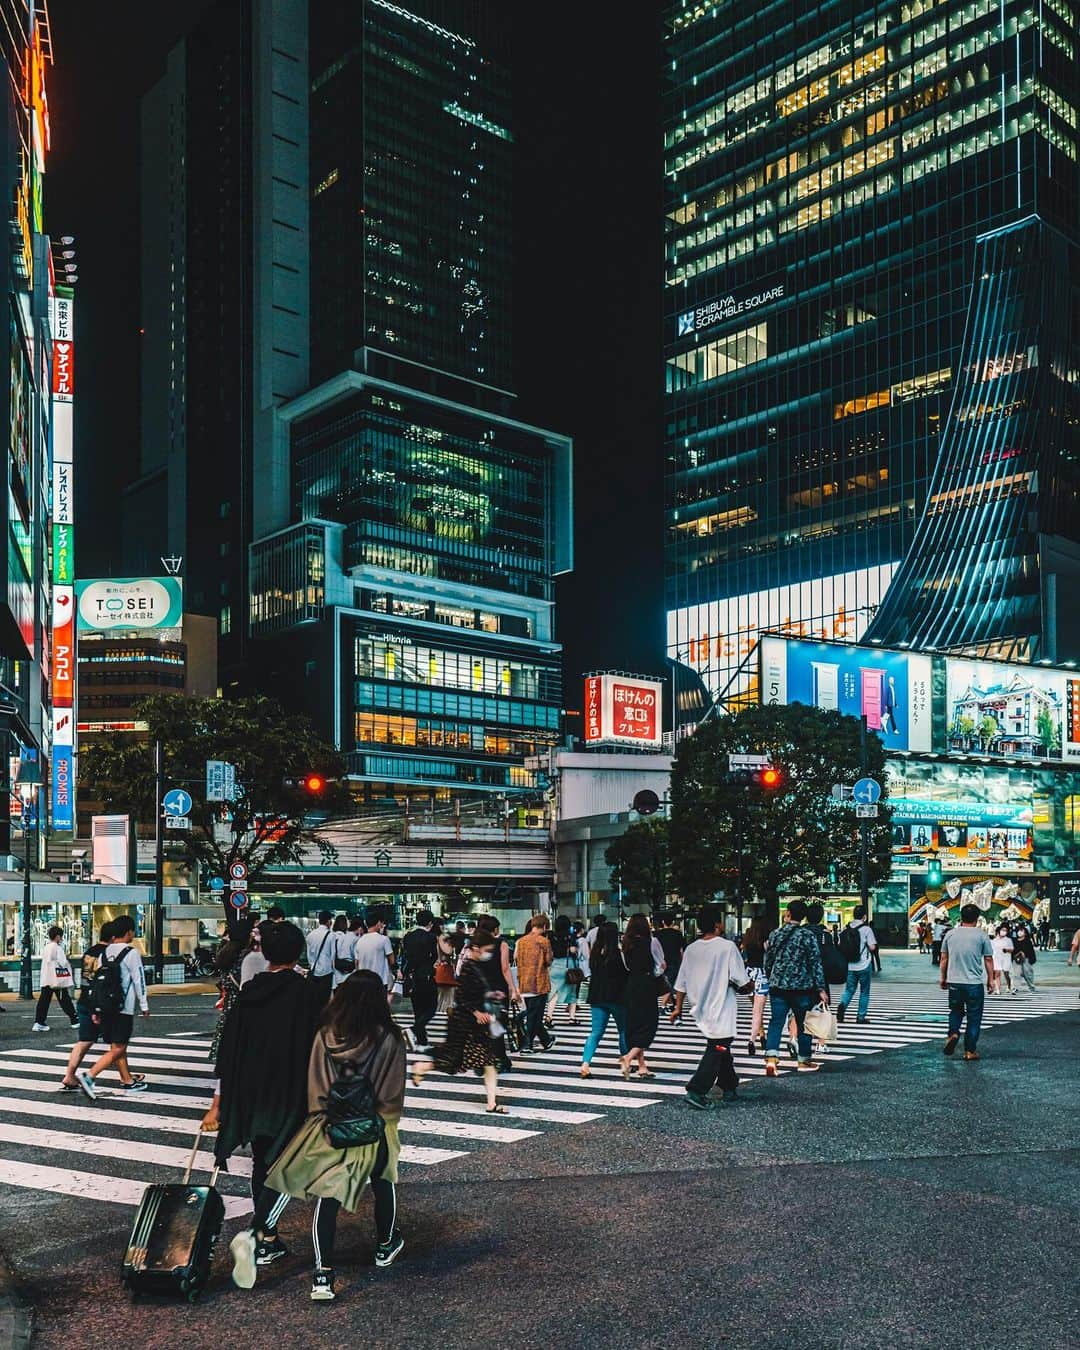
(129, 604)
(623, 710)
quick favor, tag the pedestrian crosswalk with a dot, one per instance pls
(107, 1150)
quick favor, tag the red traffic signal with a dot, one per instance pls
(770, 779)
(313, 782)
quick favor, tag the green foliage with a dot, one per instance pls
(639, 863)
(787, 840)
(1049, 729)
(268, 824)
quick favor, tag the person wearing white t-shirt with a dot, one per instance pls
(344, 950)
(711, 973)
(859, 971)
(1002, 944)
(374, 951)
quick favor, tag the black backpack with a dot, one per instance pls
(107, 986)
(352, 1120)
(833, 960)
(851, 944)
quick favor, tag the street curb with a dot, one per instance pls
(16, 1315)
(202, 987)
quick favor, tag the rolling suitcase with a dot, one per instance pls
(172, 1239)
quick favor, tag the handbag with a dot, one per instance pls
(444, 974)
(352, 1120)
(344, 965)
(574, 974)
(821, 1023)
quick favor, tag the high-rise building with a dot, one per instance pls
(328, 411)
(872, 326)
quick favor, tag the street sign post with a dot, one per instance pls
(866, 811)
(238, 884)
(867, 791)
(238, 899)
(220, 781)
(749, 761)
(238, 870)
(178, 822)
(176, 802)
(217, 884)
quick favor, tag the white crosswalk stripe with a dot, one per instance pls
(109, 1149)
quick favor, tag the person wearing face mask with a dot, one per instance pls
(474, 1035)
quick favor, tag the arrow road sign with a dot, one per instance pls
(217, 883)
(867, 791)
(177, 802)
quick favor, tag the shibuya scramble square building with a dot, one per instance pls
(871, 348)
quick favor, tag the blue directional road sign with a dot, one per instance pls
(866, 791)
(217, 883)
(176, 802)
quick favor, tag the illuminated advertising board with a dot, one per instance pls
(623, 710)
(63, 504)
(890, 689)
(130, 604)
(63, 654)
(63, 554)
(63, 789)
(1012, 712)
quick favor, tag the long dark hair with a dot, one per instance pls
(754, 939)
(605, 945)
(359, 1012)
(637, 929)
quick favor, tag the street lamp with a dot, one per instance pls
(28, 780)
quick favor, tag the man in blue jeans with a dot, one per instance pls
(859, 970)
(967, 960)
(796, 982)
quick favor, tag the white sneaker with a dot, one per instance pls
(242, 1249)
(39, 1026)
(82, 1077)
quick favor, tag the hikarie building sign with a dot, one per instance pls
(623, 710)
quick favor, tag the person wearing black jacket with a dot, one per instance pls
(421, 951)
(1024, 957)
(607, 993)
(263, 1064)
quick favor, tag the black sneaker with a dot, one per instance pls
(269, 1250)
(840, 1010)
(549, 1042)
(69, 1087)
(386, 1253)
(322, 1286)
(730, 1095)
(699, 1101)
(951, 1042)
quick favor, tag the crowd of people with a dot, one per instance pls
(1014, 944)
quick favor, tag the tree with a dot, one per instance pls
(639, 862)
(790, 838)
(1049, 730)
(268, 824)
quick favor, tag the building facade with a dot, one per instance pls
(871, 327)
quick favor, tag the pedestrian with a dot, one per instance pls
(967, 961)
(229, 964)
(457, 938)
(642, 1012)
(597, 924)
(858, 942)
(1002, 944)
(938, 929)
(420, 954)
(607, 994)
(499, 975)
(565, 971)
(474, 1031)
(260, 1106)
(533, 958)
(118, 1022)
(672, 944)
(358, 1042)
(710, 974)
(320, 960)
(796, 980)
(374, 951)
(89, 1027)
(1074, 949)
(445, 980)
(56, 978)
(753, 954)
(343, 944)
(1044, 935)
(1024, 957)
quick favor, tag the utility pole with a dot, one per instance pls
(864, 858)
(159, 866)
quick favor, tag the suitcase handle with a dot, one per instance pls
(199, 1135)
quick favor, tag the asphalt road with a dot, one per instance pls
(900, 1200)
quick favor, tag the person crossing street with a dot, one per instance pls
(710, 974)
(796, 976)
(858, 943)
(967, 960)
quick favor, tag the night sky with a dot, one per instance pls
(588, 298)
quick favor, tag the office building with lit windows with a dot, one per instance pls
(872, 328)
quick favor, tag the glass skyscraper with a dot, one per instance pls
(871, 327)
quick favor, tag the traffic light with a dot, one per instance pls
(933, 872)
(312, 783)
(770, 779)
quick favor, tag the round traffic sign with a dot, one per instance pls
(217, 883)
(238, 899)
(866, 791)
(176, 802)
(646, 802)
(238, 870)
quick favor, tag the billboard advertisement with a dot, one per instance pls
(972, 835)
(63, 796)
(623, 710)
(890, 689)
(130, 604)
(63, 636)
(1012, 712)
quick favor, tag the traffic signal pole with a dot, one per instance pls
(159, 865)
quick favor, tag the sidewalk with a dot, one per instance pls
(912, 967)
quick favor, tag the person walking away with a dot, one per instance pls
(796, 980)
(1024, 957)
(1074, 950)
(1002, 944)
(374, 951)
(128, 981)
(607, 994)
(534, 958)
(1044, 935)
(56, 978)
(470, 1044)
(499, 974)
(357, 1044)
(263, 1107)
(753, 954)
(858, 942)
(938, 929)
(672, 944)
(642, 1012)
(457, 938)
(710, 975)
(420, 953)
(89, 1027)
(320, 960)
(967, 961)
(344, 946)
(592, 934)
(564, 991)
(445, 979)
